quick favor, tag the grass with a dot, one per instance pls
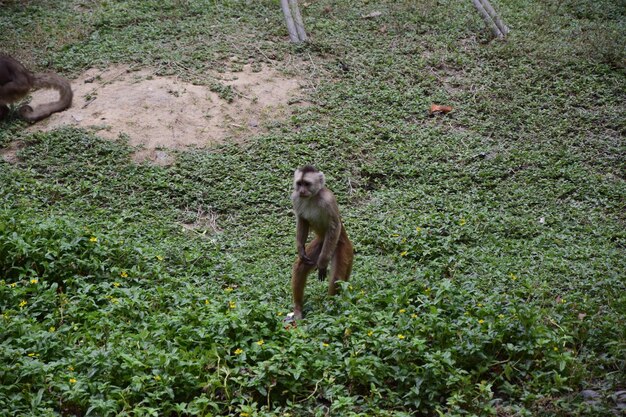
(489, 274)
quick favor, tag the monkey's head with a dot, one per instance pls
(307, 182)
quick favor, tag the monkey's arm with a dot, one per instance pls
(332, 236)
(328, 249)
(302, 232)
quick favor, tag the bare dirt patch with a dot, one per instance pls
(159, 113)
(9, 154)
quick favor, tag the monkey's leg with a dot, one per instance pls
(299, 273)
(341, 265)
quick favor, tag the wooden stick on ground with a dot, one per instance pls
(291, 26)
(297, 17)
(494, 16)
(293, 19)
(490, 17)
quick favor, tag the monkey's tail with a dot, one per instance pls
(48, 81)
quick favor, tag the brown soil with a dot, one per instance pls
(9, 154)
(160, 113)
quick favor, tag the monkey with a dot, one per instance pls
(16, 82)
(316, 208)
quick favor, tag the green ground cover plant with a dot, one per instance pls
(489, 273)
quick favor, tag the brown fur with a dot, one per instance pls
(316, 208)
(16, 82)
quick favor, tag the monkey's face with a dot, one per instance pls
(304, 188)
(307, 184)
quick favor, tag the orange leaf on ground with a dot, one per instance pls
(436, 108)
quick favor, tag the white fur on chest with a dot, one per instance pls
(310, 211)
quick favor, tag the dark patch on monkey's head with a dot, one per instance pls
(308, 168)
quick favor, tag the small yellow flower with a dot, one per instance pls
(500, 316)
(556, 349)
(157, 378)
(479, 304)
(116, 284)
(401, 337)
(232, 304)
(402, 310)
(563, 301)
(23, 303)
(418, 229)
(414, 316)
(405, 253)
(159, 257)
(347, 332)
(70, 368)
(73, 380)
(370, 333)
(244, 414)
(350, 287)
(34, 281)
(481, 321)
(426, 290)
(32, 355)
(260, 342)
(206, 302)
(124, 274)
(462, 221)
(13, 284)
(513, 276)
(238, 351)
(114, 300)
(52, 329)
(93, 239)
(325, 344)
(229, 289)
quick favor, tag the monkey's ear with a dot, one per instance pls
(322, 178)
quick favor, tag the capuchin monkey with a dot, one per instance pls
(16, 82)
(316, 208)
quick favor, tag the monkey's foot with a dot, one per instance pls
(290, 321)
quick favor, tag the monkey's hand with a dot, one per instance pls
(322, 273)
(304, 258)
(322, 268)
